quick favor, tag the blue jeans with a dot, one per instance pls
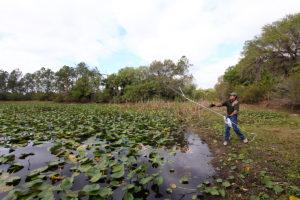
(235, 128)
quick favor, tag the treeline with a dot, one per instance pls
(270, 65)
(85, 84)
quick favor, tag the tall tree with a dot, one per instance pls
(29, 83)
(65, 78)
(268, 59)
(3, 81)
(13, 81)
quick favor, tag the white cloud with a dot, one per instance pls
(35, 33)
(213, 71)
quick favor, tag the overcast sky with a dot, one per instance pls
(118, 33)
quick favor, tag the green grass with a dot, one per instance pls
(275, 148)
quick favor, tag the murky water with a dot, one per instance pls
(192, 160)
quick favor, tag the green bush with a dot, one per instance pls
(16, 97)
(290, 89)
(293, 85)
(59, 98)
(40, 96)
(140, 92)
(102, 96)
(251, 94)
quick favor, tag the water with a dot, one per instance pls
(191, 158)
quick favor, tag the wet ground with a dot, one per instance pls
(191, 160)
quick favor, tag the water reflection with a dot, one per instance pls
(190, 157)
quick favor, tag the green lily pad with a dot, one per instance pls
(4, 159)
(25, 155)
(184, 180)
(93, 189)
(226, 184)
(212, 191)
(159, 180)
(15, 180)
(36, 172)
(15, 168)
(128, 196)
(146, 180)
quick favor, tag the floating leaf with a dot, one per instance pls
(169, 190)
(117, 175)
(66, 184)
(146, 180)
(15, 180)
(278, 189)
(128, 187)
(81, 150)
(219, 180)
(184, 180)
(118, 171)
(56, 148)
(25, 155)
(226, 184)
(55, 163)
(46, 195)
(105, 192)
(206, 182)
(56, 177)
(128, 196)
(4, 159)
(69, 195)
(91, 189)
(96, 177)
(15, 168)
(159, 180)
(222, 192)
(36, 172)
(72, 158)
(212, 191)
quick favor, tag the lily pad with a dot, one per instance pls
(15, 180)
(184, 180)
(15, 168)
(25, 155)
(7, 158)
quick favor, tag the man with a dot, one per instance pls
(232, 106)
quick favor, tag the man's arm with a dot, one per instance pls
(233, 113)
(236, 108)
(217, 105)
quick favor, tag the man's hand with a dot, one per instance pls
(211, 105)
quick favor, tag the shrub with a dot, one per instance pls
(290, 89)
(251, 94)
